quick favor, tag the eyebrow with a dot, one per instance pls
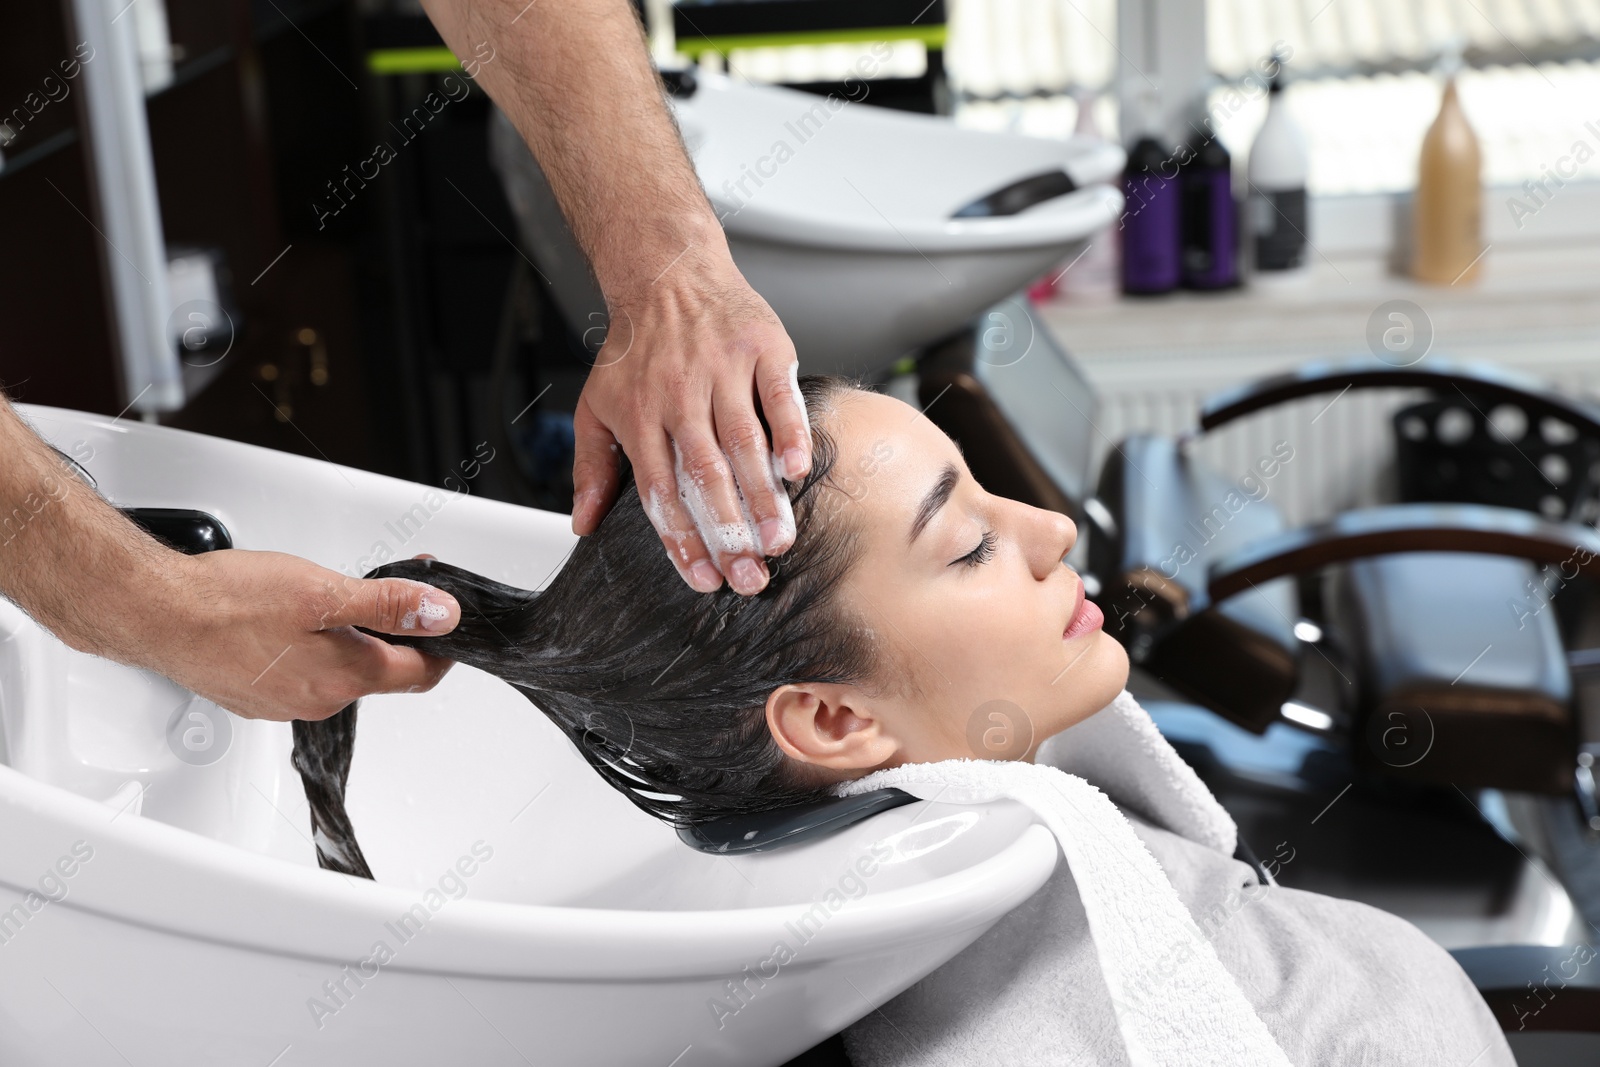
(937, 497)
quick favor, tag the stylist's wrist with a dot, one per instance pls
(130, 607)
(161, 612)
(686, 248)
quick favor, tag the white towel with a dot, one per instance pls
(1121, 750)
(1173, 1001)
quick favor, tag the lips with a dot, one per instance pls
(1085, 619)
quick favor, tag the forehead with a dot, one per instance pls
(889, 456)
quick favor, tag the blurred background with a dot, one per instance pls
(378, 321)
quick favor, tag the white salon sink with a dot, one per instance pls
(842, 215)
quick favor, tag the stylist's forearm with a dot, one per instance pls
(68, 558)
(573, 76)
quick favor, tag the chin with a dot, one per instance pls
(1116, 657)
(1095, 681)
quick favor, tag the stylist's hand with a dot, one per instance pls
(270, 636)
(685, 362)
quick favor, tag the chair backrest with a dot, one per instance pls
(1474, 450)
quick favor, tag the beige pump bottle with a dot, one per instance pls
(1447, 213)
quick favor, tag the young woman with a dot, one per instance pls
(910, 599)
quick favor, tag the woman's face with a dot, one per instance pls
(987, 642)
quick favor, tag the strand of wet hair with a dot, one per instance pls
(323, 748)
(322, 753)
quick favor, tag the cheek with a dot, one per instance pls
(1001, 641)
(986, 642)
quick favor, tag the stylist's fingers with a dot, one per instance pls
(706, 480)
(744, 441)
(386, 668)
(395, 606)
(658, 492)
(595, 468)
(777, 383)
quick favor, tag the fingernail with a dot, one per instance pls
(745, 576)
(435, 610)
(794, 464)
(703, 577)
(774, 537)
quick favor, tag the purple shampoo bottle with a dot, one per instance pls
(1151, 240)
(1210, 217)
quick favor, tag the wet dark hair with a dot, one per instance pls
(662, 689)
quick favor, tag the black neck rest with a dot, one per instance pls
(764, 831)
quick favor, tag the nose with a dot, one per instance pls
(1049, 536)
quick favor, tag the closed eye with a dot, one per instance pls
(983, 553)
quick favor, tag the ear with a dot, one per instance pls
(829, 726)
